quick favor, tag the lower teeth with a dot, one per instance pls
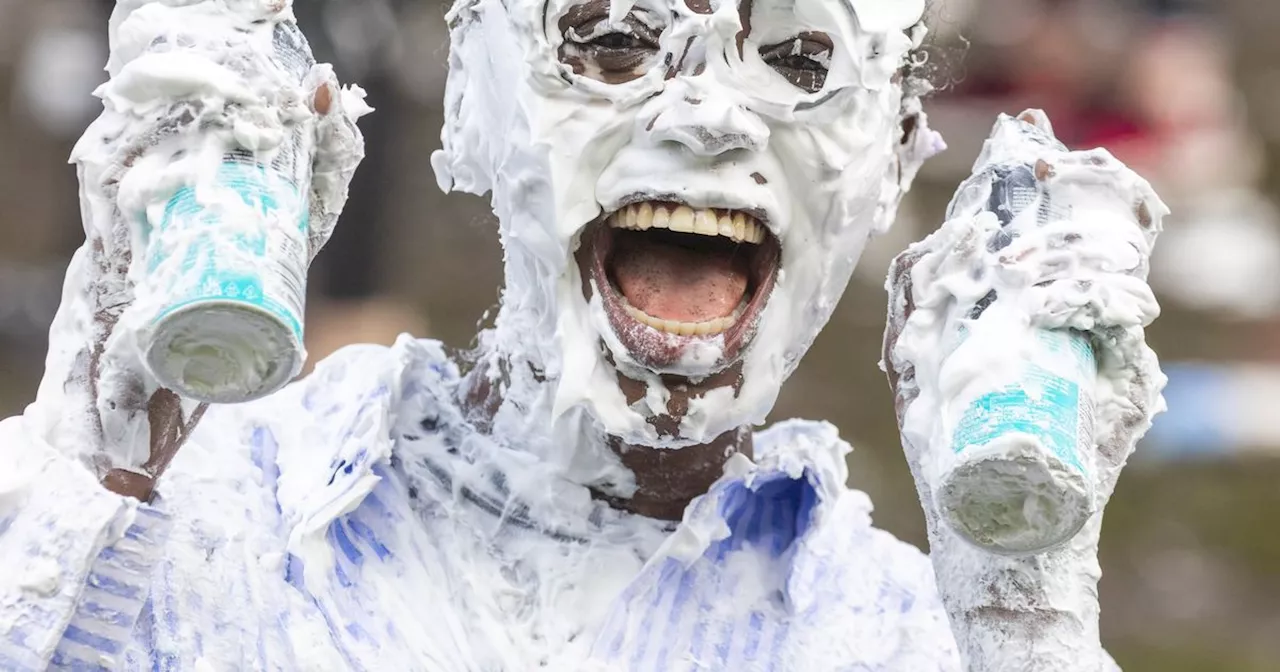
(707, 328)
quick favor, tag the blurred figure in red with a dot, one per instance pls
(1056, 54)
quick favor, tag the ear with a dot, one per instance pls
(906, 157)
(915, 144)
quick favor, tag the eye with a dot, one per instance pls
(803, 60)
(609, 53)
(617, 41)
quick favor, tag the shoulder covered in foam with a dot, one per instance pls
(326, 434)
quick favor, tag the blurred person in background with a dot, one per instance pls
(1200, 149)
(1060, 53)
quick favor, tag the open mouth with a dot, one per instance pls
(673, 276)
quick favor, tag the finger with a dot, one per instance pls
(901, 306)
(1138, 388)
(322, 100)
(130, 484)
(339, 148)
(170, 429)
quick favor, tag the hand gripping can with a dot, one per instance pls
(229, 256)
(1018, 472)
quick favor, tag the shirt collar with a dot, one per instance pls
(772, 503)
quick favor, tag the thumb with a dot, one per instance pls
(901, 374)
(339, 149)
(170, 427)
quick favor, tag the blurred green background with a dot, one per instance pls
(1186, 93)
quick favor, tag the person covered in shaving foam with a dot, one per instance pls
(683, 189)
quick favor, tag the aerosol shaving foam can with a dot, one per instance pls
(230, 257)
(1018, 468)
(1021, 477)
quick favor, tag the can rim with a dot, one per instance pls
(280, 337)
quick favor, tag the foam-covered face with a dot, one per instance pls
(684, 187)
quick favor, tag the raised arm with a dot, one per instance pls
(1049, 247)
(191, 84)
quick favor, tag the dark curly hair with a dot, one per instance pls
(936, 65)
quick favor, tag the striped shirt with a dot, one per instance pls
(357, 521)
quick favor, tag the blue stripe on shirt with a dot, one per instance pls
(89, 639)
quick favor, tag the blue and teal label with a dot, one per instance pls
(1043, 404)
(262, 265)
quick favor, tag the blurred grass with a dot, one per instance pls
(1184, 657)
(1231, 506)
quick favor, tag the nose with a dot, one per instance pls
(706, 122)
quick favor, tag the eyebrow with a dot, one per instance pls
(846, 4)
(584, 11)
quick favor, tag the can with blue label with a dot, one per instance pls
(1020, 478)
(227, 261)
(1016, 475)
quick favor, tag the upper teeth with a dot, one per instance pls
(684, 219)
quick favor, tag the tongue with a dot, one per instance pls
(672, 282)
